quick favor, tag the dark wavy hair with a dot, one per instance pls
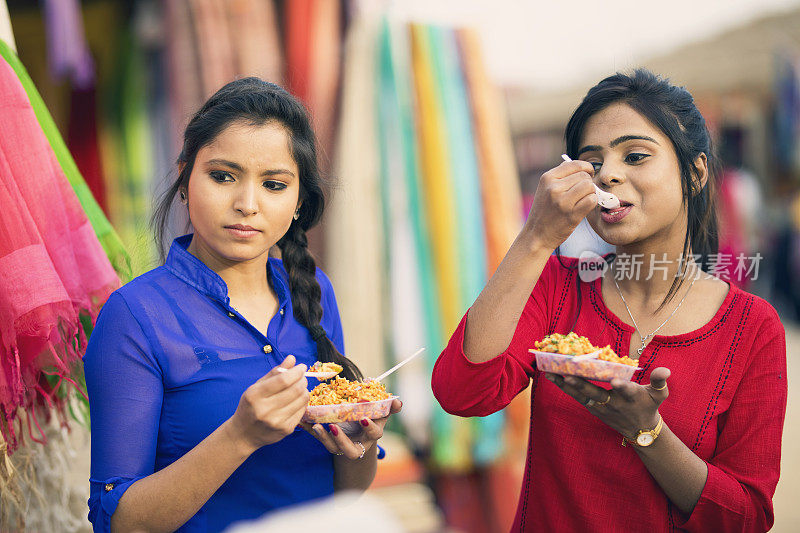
(673, 111)
(257, 102)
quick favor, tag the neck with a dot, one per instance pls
(646, 277)
(244, 279)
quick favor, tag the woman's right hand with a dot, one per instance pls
(271, 408)
(565, 195)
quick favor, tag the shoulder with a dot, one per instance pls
(756, 311)
(137, 293)
(143, 283)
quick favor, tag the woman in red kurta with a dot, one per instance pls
(712, 384)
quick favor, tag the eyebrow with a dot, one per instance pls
(615, 142)
(238, 168)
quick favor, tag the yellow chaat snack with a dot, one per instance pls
(574, 344)
(319, 366)
(342, 390)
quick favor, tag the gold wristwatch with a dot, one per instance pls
(646, 437)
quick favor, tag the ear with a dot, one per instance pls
(700, 178)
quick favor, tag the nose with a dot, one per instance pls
(609, 175)
(246, 201)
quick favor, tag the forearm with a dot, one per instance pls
(678, 471)
(168, 498)
(355, 474)
(493, 317)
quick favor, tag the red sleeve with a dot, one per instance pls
(465, 388)
(745, 468)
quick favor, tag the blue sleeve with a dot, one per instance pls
(330, 312)
(125, 387)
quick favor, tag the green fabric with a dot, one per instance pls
(110, 241)
(129, 150)
(486, 435)
(396, 110)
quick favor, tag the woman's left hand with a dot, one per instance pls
(627, 408)
(336, 442)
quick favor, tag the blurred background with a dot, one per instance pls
(436, 119)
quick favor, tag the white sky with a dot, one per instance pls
(555, 45)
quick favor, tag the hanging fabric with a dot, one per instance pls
(466, 191)
(53, 270)
(452, 436)
(68, 53)
(500, 182)
(83, 142)
(353, 225)
(6, 33)
(255, 39)
(413, 316)
(325, 65)
(217, 62)
(102, 228)
(298, 37)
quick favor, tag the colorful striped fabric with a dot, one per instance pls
(414, 316)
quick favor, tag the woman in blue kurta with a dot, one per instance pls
(193, 425)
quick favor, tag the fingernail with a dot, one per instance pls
(570, 380)
(334, 430)
(318, 428)
(365, 422)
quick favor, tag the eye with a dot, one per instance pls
(596, 165)
(635, 158)
(274, 185)
(220, 176)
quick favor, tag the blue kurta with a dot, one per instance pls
(166, 364)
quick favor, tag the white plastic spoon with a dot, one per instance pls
(398, 365)
(604, 199)
(318, 375)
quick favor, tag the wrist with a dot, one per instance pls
(647, 435)
(533, 243)
(244, 446)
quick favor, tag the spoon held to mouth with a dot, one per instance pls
(604, 199)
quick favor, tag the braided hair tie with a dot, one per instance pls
(317, 333)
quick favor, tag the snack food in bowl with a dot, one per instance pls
(319, 366)
(346, 402)
(557, 354)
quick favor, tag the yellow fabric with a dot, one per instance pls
(436, 180)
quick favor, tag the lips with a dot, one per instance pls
(612, 216)
(242, 227)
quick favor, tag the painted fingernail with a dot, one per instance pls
(365, 422)
(334, 430)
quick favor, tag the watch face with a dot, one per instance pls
(645, 439)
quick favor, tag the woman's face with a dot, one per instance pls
(243, 191)
(634, 160)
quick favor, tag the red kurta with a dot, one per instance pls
(727, 399)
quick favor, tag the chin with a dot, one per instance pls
(238, 251)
